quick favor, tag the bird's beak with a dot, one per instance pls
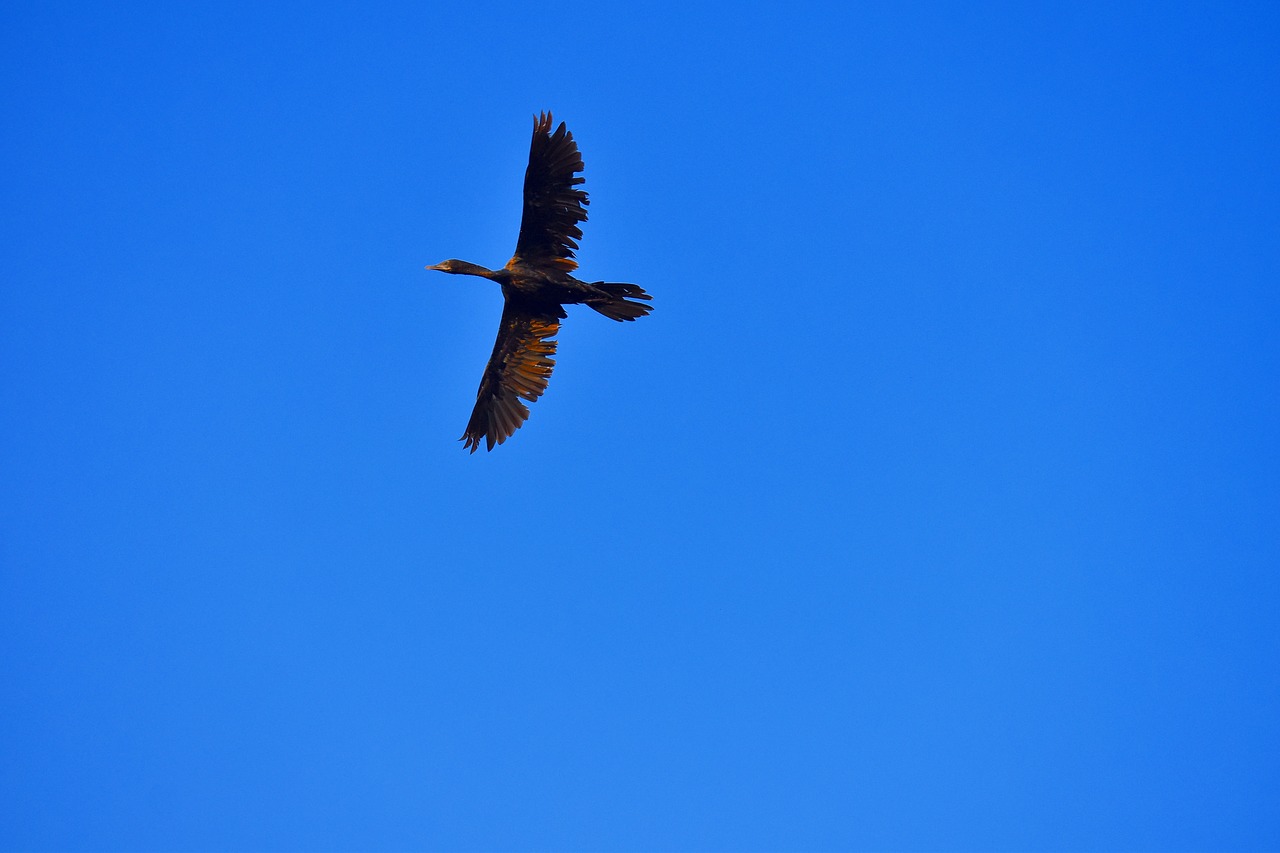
(432, 267)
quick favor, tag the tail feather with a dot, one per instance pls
(615, 305)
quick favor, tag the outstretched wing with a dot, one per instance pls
(519, 367)
(553, 206)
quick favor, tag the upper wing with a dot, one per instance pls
(519, 367)
(552, 206)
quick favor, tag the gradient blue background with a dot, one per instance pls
(935, 507)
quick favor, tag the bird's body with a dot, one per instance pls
(536, 284)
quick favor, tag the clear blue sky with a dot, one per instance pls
(935, 507)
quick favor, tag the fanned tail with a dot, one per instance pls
(615, 305)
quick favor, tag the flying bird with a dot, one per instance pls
(536, 285)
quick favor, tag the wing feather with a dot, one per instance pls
(518, 370)
(553, 206)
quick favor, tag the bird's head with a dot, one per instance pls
(457, 267)
(452, 266)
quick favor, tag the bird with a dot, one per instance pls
(536, 285)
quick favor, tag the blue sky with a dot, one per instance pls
(933, 508)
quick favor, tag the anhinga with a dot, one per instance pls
(536, 283)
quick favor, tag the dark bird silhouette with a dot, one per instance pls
(536, 284)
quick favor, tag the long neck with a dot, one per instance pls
(464, 268)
